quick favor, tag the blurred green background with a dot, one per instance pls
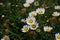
(14, 11)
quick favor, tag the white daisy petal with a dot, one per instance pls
(57, 7)
(3, 15)
(23, 20)
(33, 13)
(57, 36)
(30, 20)
(25, 28)
(47, 28)
(34, 26)
(2, 39)
(29, 1)
(26, 4)
(40, 10)
(55, 14)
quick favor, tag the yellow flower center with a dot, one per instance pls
(30, 21)
(33, 26)
(26, 29)
(56, 14)
(40, 11)
(33, 14)
(47, 30)
(58, 37)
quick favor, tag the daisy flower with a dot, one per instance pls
(57, 35)
(40, 10)
(57, 7)
(30, 20)
(33, 13)
(47, 28)
(29, 1)
(34, 26)
(26, 5)
(23, 20)
(55, 14)
(5, 38)
(25, 28)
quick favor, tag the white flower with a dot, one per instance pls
(57, 7)
(26, 4)
(40, 10)
(3, 15)
(34, 26)
(25, 28)
(47, 28)
(57, 36)
(23, 20)
(5, 38)
(33, 13)
(55, 14)
(30, 20)
(29, 1)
